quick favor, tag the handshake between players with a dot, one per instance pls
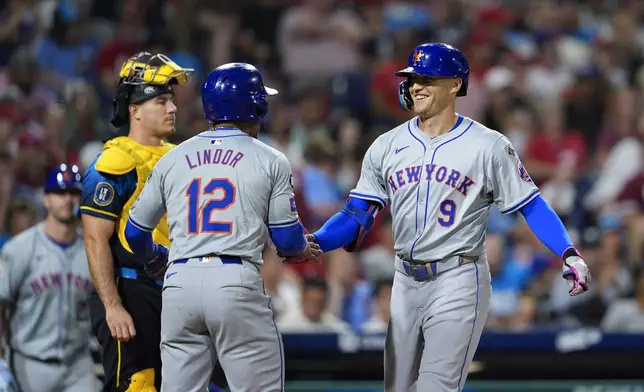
(311, 252)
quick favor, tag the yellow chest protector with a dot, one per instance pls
(121, 155)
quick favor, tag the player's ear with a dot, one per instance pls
(456, 85)
(46, 202)
(134, 111)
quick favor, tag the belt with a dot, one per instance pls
(131, 273)
(225, 259)
(425, 271)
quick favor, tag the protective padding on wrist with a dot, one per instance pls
(141, 381)
(364, 218)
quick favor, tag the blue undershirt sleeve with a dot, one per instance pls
(547, 226)
(340, 230)
(290, 240)
(141, 243)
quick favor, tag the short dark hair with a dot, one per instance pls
(19, 205)
(381, 284)
(315, 283)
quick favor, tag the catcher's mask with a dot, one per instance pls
(143, 77)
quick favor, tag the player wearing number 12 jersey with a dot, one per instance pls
(224, 192)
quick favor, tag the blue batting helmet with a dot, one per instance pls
(235, 92)
(64, 178)
(434, 60)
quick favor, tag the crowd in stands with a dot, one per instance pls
(563, 80)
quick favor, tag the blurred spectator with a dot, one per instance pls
(350, 154)
(309, 122)
(384, 84)
(20, 216)
(628, 212)
(402, 14)
(19, 27)
(321, 193)
(349, 293)
(517, 126)
(9, 121)
(623, 162)
(88, 154)
(23, 83)
(79, 124)
(377, 261)
(313, 316)
(32, 165)
(554, 157)
(282, 284)
(379, 319)
(547, 79)
(220, 19)
(512, 274)
(585, 105)
(627, 315)
(65, 53)
(319, 39)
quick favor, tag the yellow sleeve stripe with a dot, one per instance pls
(113, 215)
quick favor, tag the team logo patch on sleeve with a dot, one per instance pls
(293, 207)
(523, 173)
(104, 194)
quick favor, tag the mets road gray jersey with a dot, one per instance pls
(220, 190)
(440, 189)
(49, 287)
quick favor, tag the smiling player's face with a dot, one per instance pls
(432, 95)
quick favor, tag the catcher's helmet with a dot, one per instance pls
(435, 60)
(64, 178)
(235, 92)
(143, 77)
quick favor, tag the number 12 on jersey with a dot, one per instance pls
(201, 220)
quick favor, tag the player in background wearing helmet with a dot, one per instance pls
(440, 172)
(224, 192)
(126, 307)
(46, 285)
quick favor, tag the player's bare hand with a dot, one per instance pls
(311, 252)
(120, 323)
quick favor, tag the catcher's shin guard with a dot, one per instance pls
(141, 381)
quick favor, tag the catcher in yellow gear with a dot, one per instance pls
(125, 308)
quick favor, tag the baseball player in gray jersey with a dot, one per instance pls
(45, 282)
(440, 172)
(224, 192)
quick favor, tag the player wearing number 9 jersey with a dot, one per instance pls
(440, 172)
(126, 308)
(225, 193)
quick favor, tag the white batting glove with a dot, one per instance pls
(576, 272)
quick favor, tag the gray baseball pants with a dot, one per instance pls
(435, 327)
(218, 311)
(37, 376)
